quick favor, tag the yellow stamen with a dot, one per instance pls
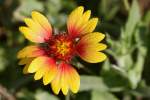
(62, 47)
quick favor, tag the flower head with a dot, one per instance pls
(50, 58)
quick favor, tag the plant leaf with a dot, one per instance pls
(92, 83)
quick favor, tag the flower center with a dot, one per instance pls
(62, 47)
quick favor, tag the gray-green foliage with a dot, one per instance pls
(129, 52)
(103, 96)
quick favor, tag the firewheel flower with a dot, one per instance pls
(50, 58)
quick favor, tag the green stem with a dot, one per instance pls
(88, 70)
(126, 4)
(67, 96)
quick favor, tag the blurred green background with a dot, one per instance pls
(125, 75)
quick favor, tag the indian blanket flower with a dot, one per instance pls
(50, 58)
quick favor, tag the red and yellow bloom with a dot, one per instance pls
(50, 59)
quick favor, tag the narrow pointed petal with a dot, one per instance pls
(31, 51)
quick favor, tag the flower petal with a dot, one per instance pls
(100, 47)
(25, 69)
(94, 37)
(88, 47)
(50, 75)
(35, 27)
(66, 78)
(89, 26)
(73, 17)
(30, 35)
(90, 43)
(56, 83)
(64, 84)
(93, 57)
(61, 80)
(41, 62)
(25, 61)
(31, 51)
(39, 29)
(40, 72)
(74, 79)
(43, 21)
(79, 24)
(86, 16)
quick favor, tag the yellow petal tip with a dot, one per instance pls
(65, 92)
(89, 12)
(95, 19)
(34, 12)
(21, 28)
(45, 82)
(80, 7)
